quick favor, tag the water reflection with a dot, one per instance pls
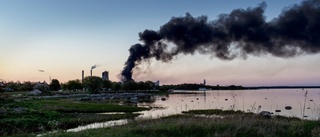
(245, 100)
(273, 100)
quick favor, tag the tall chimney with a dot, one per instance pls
(82, 75)
(91, 72)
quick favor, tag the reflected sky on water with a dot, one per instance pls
(245, 100)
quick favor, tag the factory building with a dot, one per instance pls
(157, 83)
(105, 75)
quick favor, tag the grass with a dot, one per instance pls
(238, 125)
(17, 93)
(46, 115)
(215, 112)
(84, 107)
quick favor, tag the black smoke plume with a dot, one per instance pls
(240, 33)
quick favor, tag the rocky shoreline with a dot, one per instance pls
(102, 96)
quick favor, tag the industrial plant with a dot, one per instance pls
(105, 75)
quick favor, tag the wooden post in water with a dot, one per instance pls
(304, 104)
(204, 83)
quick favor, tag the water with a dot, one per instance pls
(99, 125)
(92, 126)
(244, 100)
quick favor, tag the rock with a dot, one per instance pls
(134, 99)
(35, 92)
(277, 110)
(163, 99)
(288, 107)
(265, 114)
(85, 99)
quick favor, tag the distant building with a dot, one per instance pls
(105, 75)
(157, 83)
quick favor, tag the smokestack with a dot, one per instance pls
(93, 67)
(240, 33)
(82, 75)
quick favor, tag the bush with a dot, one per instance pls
(42, 87)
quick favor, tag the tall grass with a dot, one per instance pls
(191, 126)
(46, 115)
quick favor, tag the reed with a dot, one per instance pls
(233, 125)
(47, 115)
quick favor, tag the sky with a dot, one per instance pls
(64, 37)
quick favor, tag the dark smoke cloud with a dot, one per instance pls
(294, 32)
(95, 66)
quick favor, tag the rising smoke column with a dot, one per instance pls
(94, 66)
(294, 32)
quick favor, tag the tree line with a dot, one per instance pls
(96, 84)
(188, 86)
(92, 84)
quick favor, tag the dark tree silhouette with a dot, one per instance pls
(116, 86)
(55, 84)
(93, 83)
(73, 85)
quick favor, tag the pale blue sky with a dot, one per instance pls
(64, 37)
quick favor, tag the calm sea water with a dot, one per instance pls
(245, 100)
(302, 104)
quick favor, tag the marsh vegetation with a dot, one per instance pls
(32, 116)
(232, 123)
